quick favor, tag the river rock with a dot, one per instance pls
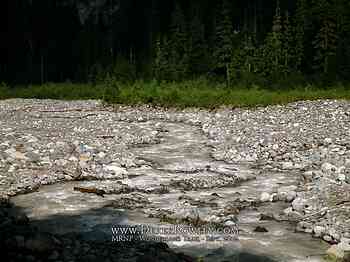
(339, 252)
(287, 165)
(265, 197)
(319, 231)
(261, 229)
(20, 241)
(327, 238)
(287, 193)
(328, 168)
(341, 177)
(299, 204)
(40, 243)
(292, 214)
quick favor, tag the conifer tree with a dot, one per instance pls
(179, 53)
(224, 40)
(300, 20)
(197, 47)
(343, 49)
(287, 43)
(325, 42)
(178, 30)
(272, 52)
(162, 66)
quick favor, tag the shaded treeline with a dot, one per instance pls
(254, 41)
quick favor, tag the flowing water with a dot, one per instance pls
(182, 162)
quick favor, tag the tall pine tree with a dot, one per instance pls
(198, 54)
(179, 57)
(325, 42)
(300, 22)
(224, 40)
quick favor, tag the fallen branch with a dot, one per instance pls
(96, 191)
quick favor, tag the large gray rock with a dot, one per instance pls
(299, 204)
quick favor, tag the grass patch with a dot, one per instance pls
(196, 93)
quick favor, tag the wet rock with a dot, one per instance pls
(21, 219)
(30, 258)
(267, 217)
(260, 229)
(54, 255)
(305, 227)
(40, 243)
(20, 241)
(90, 258)
(33, 157)
(293, 215)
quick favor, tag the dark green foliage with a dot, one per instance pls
(240, 43)
(224, 34)
(198, 50)
(172, 58)
(325, 42)
(299, 29)
(198, 93)
(179, 45)
(288, 41)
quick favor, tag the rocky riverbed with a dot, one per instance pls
(281, 173)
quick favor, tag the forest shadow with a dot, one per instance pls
(35, 240)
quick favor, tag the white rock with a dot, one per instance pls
(287, 210)
(287, 165)
(334, 234)
(292, 214)
(341, 177)
(328, 141)
(327, 238)
(265, 197)
(308, 176)
(274, 197)
(117, 170)
(101, 154)
(319, 231)
(73, 159)
(345, 244)
(287, 193)
(230, 223)
(327, 168)
(299, 204)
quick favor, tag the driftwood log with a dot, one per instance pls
(96, 191)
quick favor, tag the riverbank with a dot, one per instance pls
(270, 165)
